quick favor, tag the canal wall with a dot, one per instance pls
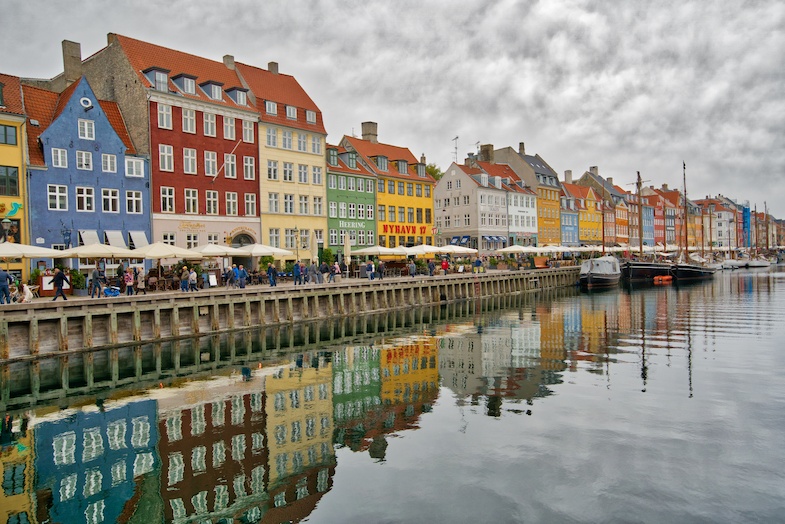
(28, 331)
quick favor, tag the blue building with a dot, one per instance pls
(648, 226)
(86, 183)
(569, 220)
(90, 463)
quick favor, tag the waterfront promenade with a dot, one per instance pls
(84, 323)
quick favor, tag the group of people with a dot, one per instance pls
(8, 295)
(316, 274)
(132, 278)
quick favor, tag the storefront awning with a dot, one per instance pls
(89, 236)
(465, 240)
(454, 240)
(139, 239)
(115, 238)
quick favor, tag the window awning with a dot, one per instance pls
(454, 240)
(139, 239)
(89, 236)
(464, 240)
(115, 238)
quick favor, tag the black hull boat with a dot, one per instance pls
(692, 273)
(600, 273)
(642, 271)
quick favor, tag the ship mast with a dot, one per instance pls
(684, 175)
(640, 215)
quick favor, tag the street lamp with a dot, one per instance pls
(6, 227)
(296, 242)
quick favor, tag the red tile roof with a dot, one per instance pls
(284, 90)
(579, 191)
(12, 95)
(143, 56)
(40, 105)
(342, 167)
(115, 117)
(369, 150)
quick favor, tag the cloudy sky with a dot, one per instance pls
(626, 86)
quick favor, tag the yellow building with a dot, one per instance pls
(589, 214)
(16, 464)
(299, 419)
(404, 190)
(410, 372)
(292, 139)
(13, 142)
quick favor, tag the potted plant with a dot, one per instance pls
(78, 283)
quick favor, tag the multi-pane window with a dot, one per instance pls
(332, 181)
(310, 117)
(272, 203)
(401, 214)
(342, 183)
(133, 202)
(288, 204)
(302, 142)
(271, 108)
(303, 204)
(84, 160)
(249, 168)
(231, 203)
(191, 201)
(86, 129)
(108, 163)
(427, 191)
(361, 185)
(7, 133)
(342, 210)
(361, 211)
(361, 237)
(391, 214)
(189, 161)
(410, 215)
(418, 190)
(191, 241)
(161, 81)
(316, 145)
(350, 183)
(230, 165)
(369, 186)
(382, 211)
(317, 206)
(167, 199)
(272, 137)
(134, 167)
(400, 188)
(110, 200)
(409, 189)
(59, 158)
(272, 170)
(419, 215)
(229, 129)
(248, 133)
(250, 204)
(215, 92)
(391, 187)
(291, 112)
(333, 209)
(164, 116)
(189, 121)
(333, 237)
(209, 124)
(9, 181)
(352, 210)
(302, 173)
(85, 199)
(189, 85)
(369, 212)
(369, 238)
(165, 158)
(288, 172)
(169, 238)
(286, 139)
(211, 163)
(211, 202)
(380, 185)
(275, 237)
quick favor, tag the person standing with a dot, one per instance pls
(272, 274)
(141, 285)
(59, 280)
(129, 281)
(445, 265)
(298, 279)
(336, 269)
(412, 269)
(323, 270)
(192, 277)
(369, 268)
(235, 275)
(95, 276)
(184, 275)
(380, 270)
(5, 290)
(431, 267)
(242, 276)
(313, 271)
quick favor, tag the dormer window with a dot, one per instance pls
(381, 162)
(403, 167)
(291, 112)
(271, 108)
(239, 96)
(352, 160)
(310, 117)
(332, 157)
(215, 92)
(189, 86)
(421, 170)
(161, 81)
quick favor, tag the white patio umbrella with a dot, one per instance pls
(515, 249)
(159, 250)
(457, 250)
(219, 250)
(380, 251)
(263, 250)
(422, 249)
(96, 251)
(13, 250)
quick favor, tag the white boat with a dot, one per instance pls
(602, 272)
(733, 263)
(758, 262)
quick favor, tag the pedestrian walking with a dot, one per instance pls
(272, 274)
(141, 285)
(412, 269)
(313, 271)
(192, 280)
(445, 265)
(5, 289)
(129, 281)
(95, 277)
(59, 280)
(431, 267)
(242, 276)
(184, 274)
(296, 272)
(323, 270)
(380, 270)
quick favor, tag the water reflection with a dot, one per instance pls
(249, 426)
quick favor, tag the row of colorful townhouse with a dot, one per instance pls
(140, 143)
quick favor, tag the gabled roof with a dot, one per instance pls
(612, 190)
(577, 191)
(45, 106)
(283, 90)
(143, 56)
(503, 171)
(539, 166)
(368, 150)
(343, 167)
(12, 95)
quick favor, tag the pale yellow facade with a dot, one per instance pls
(13, 190)
(590, 220)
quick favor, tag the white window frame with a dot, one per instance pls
(288, 172)
(248, 131)
(231, 203)
(164, 116)
(304, 205)
(291, 112)
(86, 129)
(316, 145)
(272, 203)
(85, 199)
(134, 202)
(272, 137)
(59, 157)
(230, 165)
(288, 204)
(272, 170)
(270, 107)
(211, 202)
(332, 209)
(110, 200)
(167, 199)
(189, 121)
(216, 93)
(84, 160)
(229, 128)
(108, 163)
(310, 116)
(191, 201)
(189, 85)
(134, 167)
(209, 124)
(318, 206)
(241, 98)
(165, 158)
(249, 168)
(189, 161)
(250, 204)
(302, 142)
(211, 164)
(317, 175)
(286, 139)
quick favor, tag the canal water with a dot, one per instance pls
(662, 404)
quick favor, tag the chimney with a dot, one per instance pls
(370, 132)
(665, 187)
(594, 171)
(521, 148)
(568, 176)
(72, 61)
(272, 67)
(422, 159)
(610, 181)
(469, 160)
(486, 153)
(229, 62)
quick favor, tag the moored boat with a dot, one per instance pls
(643, 271)
(685, 272)
(600, 273)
